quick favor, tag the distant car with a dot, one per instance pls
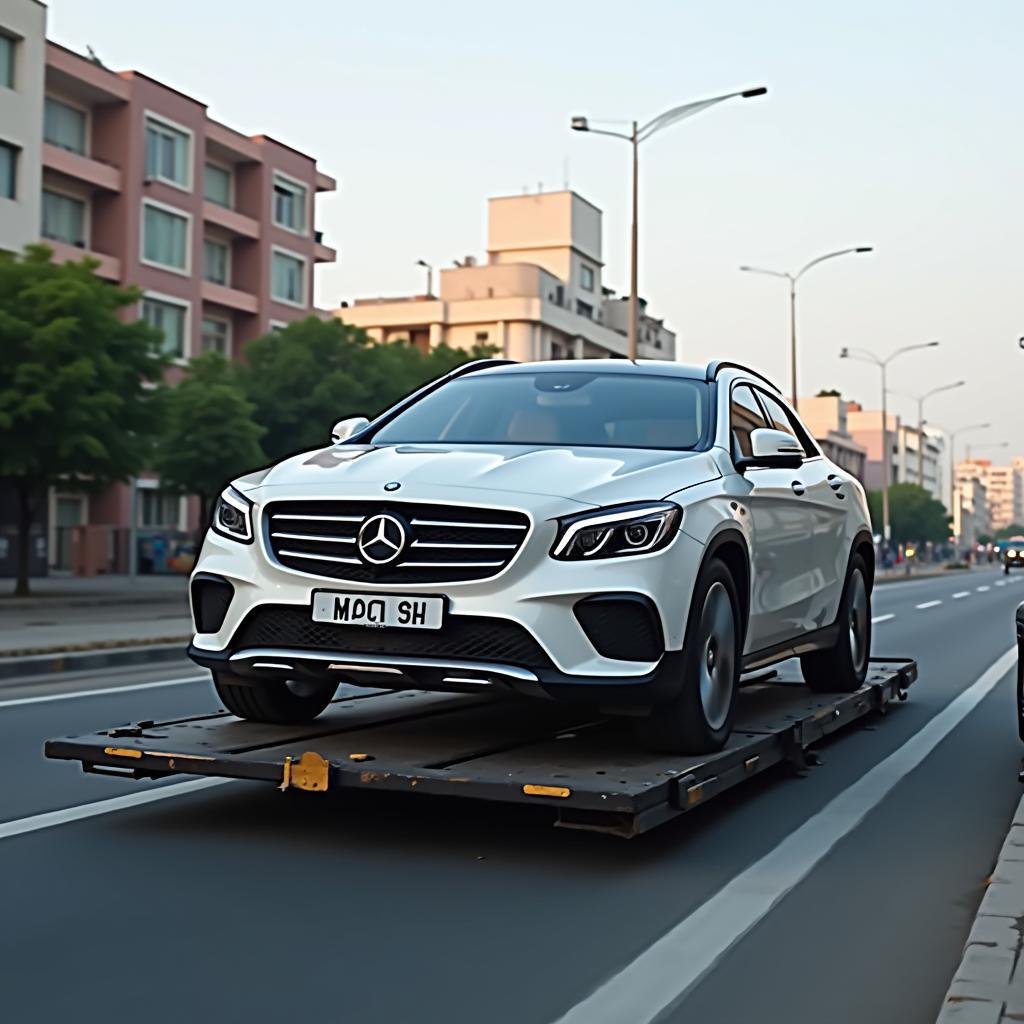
(1013, 554)
(628, 535)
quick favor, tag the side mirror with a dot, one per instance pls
(344, 429)
(771, 449)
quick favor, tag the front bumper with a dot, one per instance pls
(536, 594)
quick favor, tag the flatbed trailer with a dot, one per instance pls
(585, 766)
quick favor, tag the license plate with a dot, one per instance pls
(383, 611)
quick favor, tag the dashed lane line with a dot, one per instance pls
(981, 590)
(927, 604)
(882, 618)
(961, 593)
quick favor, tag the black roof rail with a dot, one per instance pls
(717, 365)
(477, 364)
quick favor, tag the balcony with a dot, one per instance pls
(81, 168)
(231, 220)
(109, 268)
(322, 253)
(232, 298)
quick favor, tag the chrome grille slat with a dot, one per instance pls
(474, 544)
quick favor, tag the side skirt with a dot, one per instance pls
(819, 640)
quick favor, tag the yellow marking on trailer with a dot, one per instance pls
(310, 772)
(360, 757)
(560, 791)
(122, 752)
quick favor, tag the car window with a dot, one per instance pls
(574, 408)
(744, 416)
(783, 419)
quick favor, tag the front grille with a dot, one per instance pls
(462, 637)
(447, 543)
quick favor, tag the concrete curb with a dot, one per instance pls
(53, 662)
(902, 577)
(42, 602)
(988, 987)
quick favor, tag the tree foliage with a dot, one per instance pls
(209, 436)
(1013, 530)
(313, 373)
(914, 515)
(74, 402)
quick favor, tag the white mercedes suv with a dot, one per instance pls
(629, 535)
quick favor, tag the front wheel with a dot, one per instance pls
(699, 719)
(844, 667)
(278, 701)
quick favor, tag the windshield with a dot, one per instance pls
(575, 408)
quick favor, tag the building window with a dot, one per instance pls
(7, 50)
(587, 278)
(8, 171)
(164, 237)
(216, 335)
(560, 295)
(215, 261)
(63, 218)
(167, 153)
(157, 508)
(168, 317)
(481, 337)
(585, 309)
(289, 204)
(64, 125)
(217, 185)
(288, 279)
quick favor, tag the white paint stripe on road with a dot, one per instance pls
(882, 618)
(981, 590)
(117, 803)
(105, 691)
(1000, 583)
(961, 593)
(927, 604)
(665, 971)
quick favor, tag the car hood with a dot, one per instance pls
(588, 476)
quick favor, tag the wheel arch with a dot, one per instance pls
(864, 545)
(730, 547)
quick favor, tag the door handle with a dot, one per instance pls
(835, 484)
(798, 488)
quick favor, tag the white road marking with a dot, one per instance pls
(882, 618)
(92, 810)
(981, 590)
(666, 970)
(105, 691)
(961, 593)
(1000, 583)
(927, 604)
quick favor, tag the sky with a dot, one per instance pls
(891, 123)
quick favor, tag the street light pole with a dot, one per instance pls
(921, 399)
(640, 133)
(430, 277)
(953, 434)
(793, 279)
(869, 357)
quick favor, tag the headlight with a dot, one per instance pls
(1012, 553)
(232, 516)
(617, 531)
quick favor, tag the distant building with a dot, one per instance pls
(825, 416)
(539, 295)
(865, 425)
(971, 519)
(1004, 486)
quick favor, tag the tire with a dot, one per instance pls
(844, 667)
(699, 719)
(279, 702)
(1006, 570)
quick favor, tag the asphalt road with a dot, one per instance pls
(243, 904)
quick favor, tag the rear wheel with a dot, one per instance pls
(280, 701)
(844, 667)
(699, 719)
(1006, 570)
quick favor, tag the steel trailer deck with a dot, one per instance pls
(586, 767)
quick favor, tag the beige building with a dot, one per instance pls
(22, 74)
(825, 416)
(540, 294)
(971, 519)
(1004, 486)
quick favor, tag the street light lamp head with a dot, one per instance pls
(758, 91)
(864, 248)
(422, 263)
(844, 353)
(580, 124)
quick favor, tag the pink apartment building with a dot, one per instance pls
(216, 228)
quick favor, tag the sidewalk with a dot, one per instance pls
(95, 613)
(988, 987)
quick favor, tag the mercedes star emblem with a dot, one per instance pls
(392, 485)
(382, 539)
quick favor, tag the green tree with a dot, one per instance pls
(209, 436)
(312, 373)
(1013, 530)
(914, 515)
(74, 405)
